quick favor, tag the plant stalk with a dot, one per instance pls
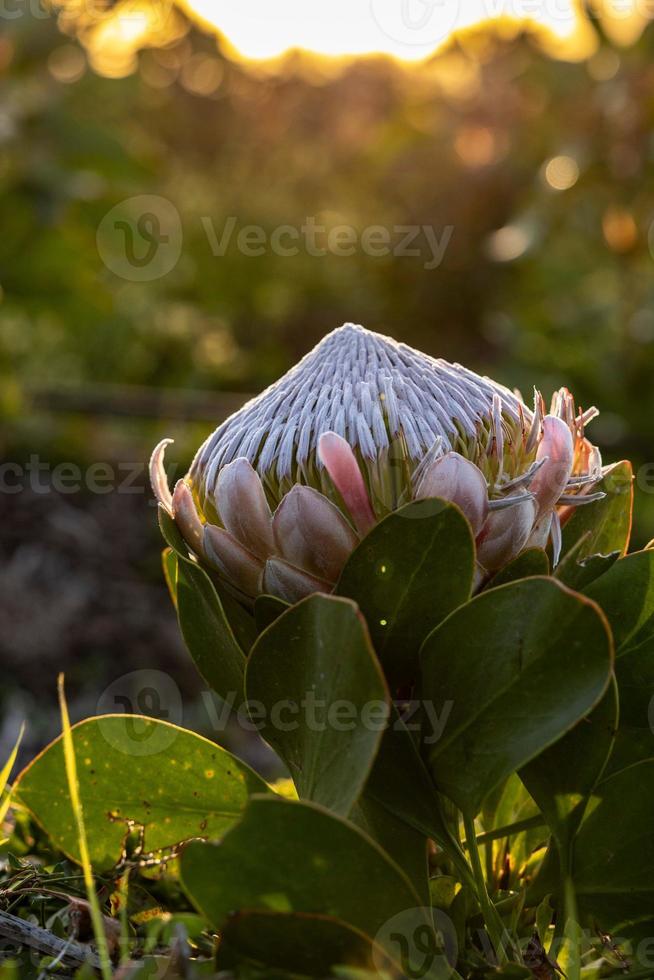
(492, 920)
(78, 814)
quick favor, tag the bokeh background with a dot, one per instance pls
(533, 145)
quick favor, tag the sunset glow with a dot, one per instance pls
(409, 30)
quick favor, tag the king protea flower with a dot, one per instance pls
(284, 490)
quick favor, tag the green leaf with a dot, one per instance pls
(309, 945)
(400, 782)
(533, 561)
(626, 595)
(169, 566)
(325, 697)
(599, 528)
(207, 633)
(406, 846)
(614, 855)
(268, 608)
(519, 666)
(171, 533)
(407, 575)
(295, 857)
(579, 575)
(136, 772)
(233, 619)
(562, 778)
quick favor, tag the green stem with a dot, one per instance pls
(571, 927)
(511, 828)
(491, 918)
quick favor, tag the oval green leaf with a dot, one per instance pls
(519, 666)
(295, 857)
(136, 772)
(217, 630)
(614, 856)
(325, 698)
(300, 944)
(626, 594)
(407, 575)
(533, 561)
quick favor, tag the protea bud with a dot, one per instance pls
(283, 491)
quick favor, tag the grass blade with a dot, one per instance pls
(76, 803)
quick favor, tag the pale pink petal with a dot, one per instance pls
(243, 508)
(541, 532)
(187, 518)
(505, 534)
(232, 560)
(289, 583)
(551, 479)
(340, 462)
(455, 478)
(312, 534)
(158, 478)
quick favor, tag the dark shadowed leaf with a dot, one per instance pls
(626, 594)
(614, 855)
(295, 857)
(579, 575)
(136, 771)
(400, 782)
(406, 846)
(207, 633)
(562, 778)
(326, 699)
(407, 575)
(238, 620)
(533, 561)
(267, 608)
(309, 945)
(519, 665)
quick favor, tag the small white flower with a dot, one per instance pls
(282, 492)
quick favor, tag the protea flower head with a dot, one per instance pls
(283, 491)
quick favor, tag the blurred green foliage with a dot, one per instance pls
(538, 285)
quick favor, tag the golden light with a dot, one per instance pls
(409, 30)
(262, 33)
(508, 243)
(620, 229)
(561, 173)
(117, 39)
